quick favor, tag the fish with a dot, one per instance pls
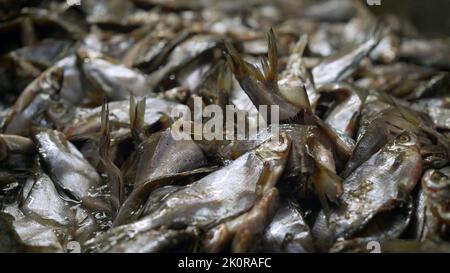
(113, 173)
(150, 168)
(32, 102)
(185, 53)
(342, 64)
(385, 227)
(43, 202)
(87, 121)
(100, 150)
(331, 11)
(344, 115)
(243, 230)
(288, 232)
(30, 236)
(152, 241)
(71, 171)
(151, 51)
(262, 86)
(378, 185)
(429, 53)
(203, 202)
(435, 184)
(383, 115)
(115, 81)
(16, 152)
(11, 242)
(108, 12)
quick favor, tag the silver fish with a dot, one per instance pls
(379, 184)
(220, 195)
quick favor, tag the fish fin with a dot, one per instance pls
(272, 74)
(132, 110)
(141, 111)
(93, 91)
(300, 46)
(105, 138)
(240, 67)
(327, 185)
(404, 113)
(114, 175)
(342, 148)
(235, 61)
(262, 181)
(4, 149)
(217, 238)
(265, 67)
(29, 34)
(254, 221)
(224, 85)
(137, 115)
(224, 79)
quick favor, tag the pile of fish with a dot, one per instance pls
(89, 161)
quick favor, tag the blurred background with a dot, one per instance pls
(431, 17)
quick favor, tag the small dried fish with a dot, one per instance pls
(103, 147)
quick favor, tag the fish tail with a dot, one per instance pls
(300, 46)
(137, 115)
(328, 186)
(105, 138)
(240, 67)
(113, 173)
(271, 74)
(224, 85)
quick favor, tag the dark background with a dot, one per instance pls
(431, 17)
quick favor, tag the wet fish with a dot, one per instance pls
(116, 81)
(341, 65)
(71, 171)
(288, 231)
(185, 53)
(150, 165)
(10, 242)
(345, 113)
(383, 228)
(378, 185)
(262, 86)
(32, 103)
(88, 121)
(16, 152)
(435, 184)
(95, 156)
(244, 229)
(204, 202)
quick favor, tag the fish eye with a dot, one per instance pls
(437, 176)
(436, 181)
(404, 138)
(56, 108)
